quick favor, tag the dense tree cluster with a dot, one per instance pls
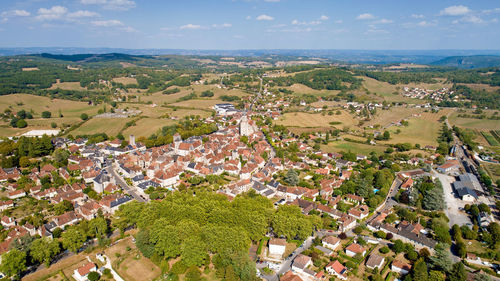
(329, 79)
(207, 226)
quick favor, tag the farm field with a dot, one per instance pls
(147, 126)
(358, 148)
(393, 115)
(110, 126)
(418, 131)
(125, 80)
(302, 119)
(67, 86)
(472, 123)
(39, 104)
(303, 89)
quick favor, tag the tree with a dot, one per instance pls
(53, 125)
(194, 252)
(84, 116)
(13, 262)
(21, 123)
(46, 114)
(72, 239)
(93, 276)
(420, 271)
(433, 199)
(398, 246)
(43, 250)
(441, 259)
(292, 178)
(387, 135)
(61, 156)
(461, 248)
(435, 275)
(458, 272)
(63, 207)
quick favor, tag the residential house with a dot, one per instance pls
(337, 269)
(355, 249)
(375, 261)
(81, 273)
(331, 242)
(277, 246)
(400, 267)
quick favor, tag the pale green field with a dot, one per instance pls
(419, 131)
(110, 126)
(358, 148)
(472, 123)
(147, 126)
(303, 119)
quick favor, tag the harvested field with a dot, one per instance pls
(315, 120)
(75, 86)
(125, 80)
(110, 126)
(147, 126)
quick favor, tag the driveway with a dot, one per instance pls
(452, 203)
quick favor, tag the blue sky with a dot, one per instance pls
(251, 24)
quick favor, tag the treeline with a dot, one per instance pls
(321, 79)
(479, 98)
(399, 77)
(11, 152)
(207, 228)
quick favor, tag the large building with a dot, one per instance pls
(467, 186)
(246, 128)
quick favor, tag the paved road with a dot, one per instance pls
(120, 182)
(287, 264)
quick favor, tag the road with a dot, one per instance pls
(287, 264)
(120, 182)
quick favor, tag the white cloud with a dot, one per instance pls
(469, 19)
(365, 16)
(122, 5)
(417, 16)
(376, 31)
(458, 10)
(425, 23)
(224, 25)
(107, 23)
(14, 13)
(264, 17)
(54, 13)
(83, 14)
(248, 17)
(338, 21)
(191, 26)
(384, 21)
(323, 17)
(314, 22)
(491, 11)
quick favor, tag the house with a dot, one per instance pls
(81, 273)
(346, 223)
(407, 183)
(8, 222)
(331, 242)
(17, 194)
(4, 205)
(351, 198)
(355, 249)
(289, 276)
(277, 246)
(449, 166)
(400, 267)
(337, 269)
(375, 261)
(301, 262)
(359, 212)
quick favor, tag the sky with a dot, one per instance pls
(252, 24)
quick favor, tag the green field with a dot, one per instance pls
(110, 126)
(419, 131)
(358, 148)
(491, 139)
(473, 123)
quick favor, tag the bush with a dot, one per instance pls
(46, 114)
(384, 250)
(84, 116)
(93, 276)
(21, 123)
(178, 268)
(193, 274)
(53, 125)
(380, 234)
(207, 93)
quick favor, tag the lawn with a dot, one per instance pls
(110, 126)
(125, 80)
(394, 114)
(315, 120)
(358, 148)
(303, 89)
(75, 86)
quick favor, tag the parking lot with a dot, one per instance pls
(453, 203)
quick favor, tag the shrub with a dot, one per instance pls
(84, 116)
(380, 234)
(93, 276)
(46, 114)
(178, 268)
(384, 250)
(21, 123)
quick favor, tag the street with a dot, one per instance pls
(120, 182)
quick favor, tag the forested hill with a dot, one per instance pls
(94, 57)
(469, 61)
